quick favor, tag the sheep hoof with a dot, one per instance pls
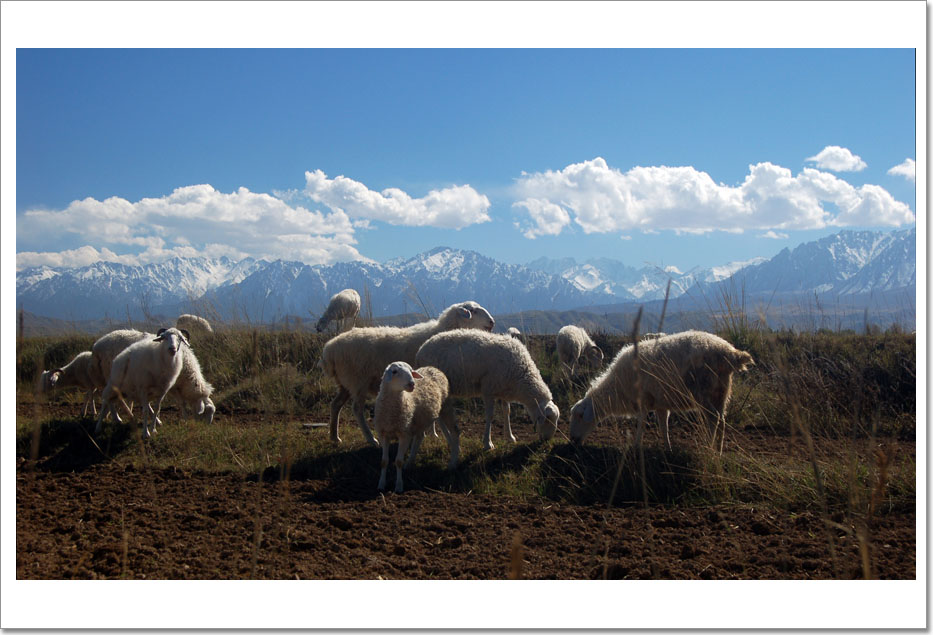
(513, 439)
(382, 484)
(399, 490)
(488, 445)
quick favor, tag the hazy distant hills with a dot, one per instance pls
(850, 269)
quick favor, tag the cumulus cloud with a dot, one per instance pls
(455, 207)
(191, 221)
(838, 159)
(907, 169)
(771, 234)
(598, 198)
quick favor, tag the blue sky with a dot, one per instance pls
(677, 157)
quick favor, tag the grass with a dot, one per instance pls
(853, 396)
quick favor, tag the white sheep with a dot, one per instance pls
(193, 324)
(689, 371)
(344, 307)
(108, 347)
(514, 332)
(145, 371)
(409, 402)
(572, 343)
(76, 373)
(355, 359)
(191, 389)
(491, 366)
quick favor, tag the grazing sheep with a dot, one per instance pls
(354, 359)
(193, 324)
(145, 370)
(514, 332)
(490, 366)
(191, 389)
(573, 342)
(76, 373)
(409, 401)
(689, 371)
(344, 307)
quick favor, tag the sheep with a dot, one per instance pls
(106, 348)
(193, 324)
(354, 358)
(490, 366)
(191, 389)
(572, 343)
(344, 307)
(409, 401)
(145, 370)
(76, 373)
(514, 332)
(689, 371)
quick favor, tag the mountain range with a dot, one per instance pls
(843, 267)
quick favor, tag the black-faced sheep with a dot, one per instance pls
(409, 402)
(356, 359)
(343, 308)
(491, 366)
(689, 371)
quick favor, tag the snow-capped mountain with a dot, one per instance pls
(846, 263)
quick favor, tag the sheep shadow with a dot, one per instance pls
(609, 475)
(69, 445)
(352, 475)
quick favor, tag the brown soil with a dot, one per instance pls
(107, 521)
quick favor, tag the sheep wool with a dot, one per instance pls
(356, 359)
(194, 324)
(491, 366)
(689, 371)
(191, 389)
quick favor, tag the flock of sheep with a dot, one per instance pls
(416, 372)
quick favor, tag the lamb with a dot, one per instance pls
(76, 373)
(409, 402)
(490, 366)
(354, 358)
(193, 324)
(344, 307)
(191, 389)
(689, 371)
(145, 370)
(572, 343)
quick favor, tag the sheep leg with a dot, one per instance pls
(384, 442)
(640, 429)
(359, 408)
(720, 417)
(490, 404)
(336, 404)
(507, 425)
(399, 456)
(663, 417)
(415, 445)
(450, 430)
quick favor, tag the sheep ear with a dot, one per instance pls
(161, 331)
(417, 375)
(464, 312)
(184, 332)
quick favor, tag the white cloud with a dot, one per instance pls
(192, 220)
(771, 234)
(598, 198)
(907, 169)
(838, 159)
(455, 207)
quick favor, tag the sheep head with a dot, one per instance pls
(546, 419)
(173, 339)
(399, 376)
(582, 420)
(472, 315)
